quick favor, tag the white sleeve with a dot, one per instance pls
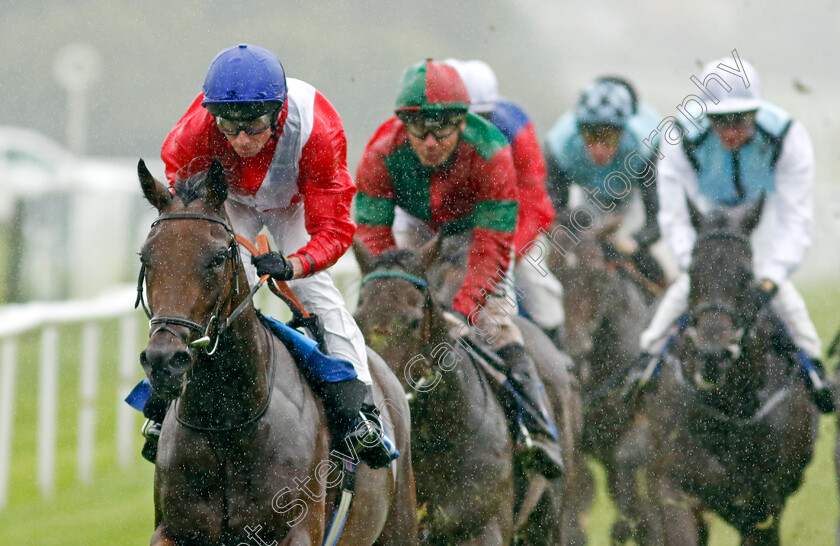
(794, 205)
(676, 179)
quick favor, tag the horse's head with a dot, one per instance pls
(190, 262)
(720, 278)
(396, 311)
(584, 272)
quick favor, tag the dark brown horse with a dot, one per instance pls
(605, 315)
(465, 472)
(732, 420)
(244, 452)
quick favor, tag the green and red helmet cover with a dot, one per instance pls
(432, 88)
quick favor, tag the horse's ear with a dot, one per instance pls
(364, 256)
(156, 193)
(430, 253)
(217, 188)
(753, 215)
(694, 214)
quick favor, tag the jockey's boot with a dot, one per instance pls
(814, 375)
(355, 424)
(537, 445)
(155, 412)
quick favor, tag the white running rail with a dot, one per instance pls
(48, 316)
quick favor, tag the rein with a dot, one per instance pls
(694, 393)
(256, 417)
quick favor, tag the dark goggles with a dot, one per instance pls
(735, 119)
(251, 127)
(606, 134)
(420, 126)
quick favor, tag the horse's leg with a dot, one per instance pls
(159, 538)
(580, 485)
(633, 494)
(621, 486)
(401, 527)
(768, 536)
(676, 516)
(702, 528)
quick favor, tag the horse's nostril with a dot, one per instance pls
(180, 363)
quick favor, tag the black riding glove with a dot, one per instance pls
(275, 265)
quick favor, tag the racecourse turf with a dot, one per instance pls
(116, 508)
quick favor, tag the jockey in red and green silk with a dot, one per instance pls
(436, 169)
(283, 148)
(540, 294)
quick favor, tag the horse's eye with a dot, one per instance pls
(217, 260)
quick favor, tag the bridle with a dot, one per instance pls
(419, 283)
(224, 300)
(744, 326)
(166, 322)
(695, 313)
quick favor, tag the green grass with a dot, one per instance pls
(116, 508)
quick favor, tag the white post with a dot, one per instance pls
(76, 67)
(128, 360)
(88, 377)
(47, 403)
(7, 407)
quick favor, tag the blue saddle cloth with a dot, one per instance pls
(318, 367)
(314, 364)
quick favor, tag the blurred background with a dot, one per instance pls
(89, 86)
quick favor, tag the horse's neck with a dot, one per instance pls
(456, 389)
(231, 385)
(618, 333)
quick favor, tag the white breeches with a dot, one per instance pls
(317, 292)
(787, 303)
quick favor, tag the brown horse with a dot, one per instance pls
(469, 489)
(605, 314)
(732, 420)
(244, 451)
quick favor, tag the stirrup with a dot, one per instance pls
(542, 457)
(378, 453)
(151, 432)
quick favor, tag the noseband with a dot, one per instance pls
(418, 283)
(166, 322)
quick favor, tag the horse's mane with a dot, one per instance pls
(396, 257)
(191, 188)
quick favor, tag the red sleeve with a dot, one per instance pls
(327, 190)
(535, 208)
(375, 201)
(490, 250)
(187, 140)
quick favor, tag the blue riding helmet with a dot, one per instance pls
(604, 102)
(244, 82)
